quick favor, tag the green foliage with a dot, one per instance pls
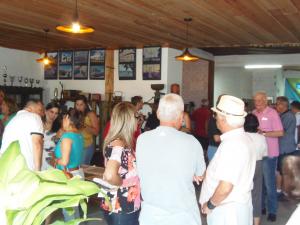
(28, 197)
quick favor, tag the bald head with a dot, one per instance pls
(35, 106)
(260, 101)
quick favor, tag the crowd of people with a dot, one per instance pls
(154, 164)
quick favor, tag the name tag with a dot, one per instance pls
(264, 118)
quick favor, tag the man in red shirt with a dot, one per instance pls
(200, 118)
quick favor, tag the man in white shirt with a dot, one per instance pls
(167, 162)
(226, 191)
(27, 128)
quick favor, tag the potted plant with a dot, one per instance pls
(29, 197)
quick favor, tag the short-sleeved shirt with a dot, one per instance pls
(126, 199)
(213, 130)
(234, 162)
(76, 149)
(259, 144)
(201, 116)
(269, 120)
(167, 160)
(20, 128)
(297, 124)
(287, 142)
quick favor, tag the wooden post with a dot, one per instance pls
(109, 75)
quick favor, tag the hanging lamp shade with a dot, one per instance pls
(75, 27)
(186, 55)
(45, 59)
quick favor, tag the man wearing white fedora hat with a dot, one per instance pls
(226, 191)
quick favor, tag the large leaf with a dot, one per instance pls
(52, 175)
(44, 213)
(12, 162)
(75, 222)
(88, 188)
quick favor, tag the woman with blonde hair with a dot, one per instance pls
(120, 168)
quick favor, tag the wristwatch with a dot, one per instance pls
(210, 205)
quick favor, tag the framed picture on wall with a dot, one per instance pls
(97, 64)
(97, 56)
(65, 72)
(97, 72)
(65, 57)
(81, 60)
(152, 63)
(50, 71)
(65, 65)
(127, 64)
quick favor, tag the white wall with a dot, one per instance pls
(19, 63)
(174, 68)
(233, 81)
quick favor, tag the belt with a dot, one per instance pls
(73, 169)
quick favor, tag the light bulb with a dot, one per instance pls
(75, 27)
(46, 61)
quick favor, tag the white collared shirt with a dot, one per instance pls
(234, 162)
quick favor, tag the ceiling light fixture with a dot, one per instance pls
(75, 27)
(186, 55)
(45, 60)
(269, 66)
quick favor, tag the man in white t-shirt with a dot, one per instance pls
(226, 190)
(167, 162)
(27, 128)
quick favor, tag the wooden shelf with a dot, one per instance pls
(22, 94)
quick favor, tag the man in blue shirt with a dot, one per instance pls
(287, 143)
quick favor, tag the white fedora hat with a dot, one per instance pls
(230, 106)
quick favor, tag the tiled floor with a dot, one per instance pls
(285, 210)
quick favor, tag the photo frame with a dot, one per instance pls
(81, 59)
(97, 56)
(65, 57)
(51, 70)
(65, 70)
(97, 64)
(127, 64)
(97, 72)
(152, 63)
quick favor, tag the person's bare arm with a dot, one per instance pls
(37, 150)
(94, 128)
(111, 174)
(275, 133)
(217, 138)
(187, 121)
(222, 191)
(66, 147)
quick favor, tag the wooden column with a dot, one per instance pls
(109, 75)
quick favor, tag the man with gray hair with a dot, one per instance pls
(226, 191)
(27, 128)
(168, 161)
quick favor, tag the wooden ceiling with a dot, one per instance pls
(138, 23)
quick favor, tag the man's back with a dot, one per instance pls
(167, 160)
(20, 128)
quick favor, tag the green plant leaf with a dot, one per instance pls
(75, 222)
(69, 203)
(12, 162)
(53, 175)
(88, 188)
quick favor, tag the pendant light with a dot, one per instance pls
(75, 27)
(186, 55)
(45, 60)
